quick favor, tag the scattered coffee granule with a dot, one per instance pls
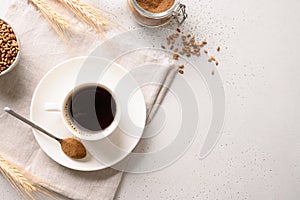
(211, 58)
(175, 35)
(9, 47)
(181, 71)
(212, 72)
(185, 44)
(175, 56)
(156, 6)
(181, 66)
(163, 47)
(168, 41)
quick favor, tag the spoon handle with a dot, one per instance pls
(16, 115)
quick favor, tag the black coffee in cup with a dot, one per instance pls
(91, 108)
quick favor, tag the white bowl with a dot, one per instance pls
(12, 66)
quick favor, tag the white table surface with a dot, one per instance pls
(258, 155)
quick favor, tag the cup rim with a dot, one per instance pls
(91, 135)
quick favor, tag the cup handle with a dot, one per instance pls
(52, 107)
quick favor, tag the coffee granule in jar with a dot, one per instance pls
(156, 6)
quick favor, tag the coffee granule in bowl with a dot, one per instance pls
(156, 6)
(9, 48)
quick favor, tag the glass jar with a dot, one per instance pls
(150, 19)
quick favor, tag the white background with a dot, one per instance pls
(258, 155)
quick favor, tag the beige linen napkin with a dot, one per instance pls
(41, 50)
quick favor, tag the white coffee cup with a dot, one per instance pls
(74, 126)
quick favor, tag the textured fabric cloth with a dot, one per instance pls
(41, 50)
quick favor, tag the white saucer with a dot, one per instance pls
(65, 76)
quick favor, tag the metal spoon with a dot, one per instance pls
(70, 146)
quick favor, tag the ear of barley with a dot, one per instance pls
(24, 186)
(16, 178)
(87, 13)
(58, 22)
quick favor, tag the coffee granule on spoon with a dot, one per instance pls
(73, 148)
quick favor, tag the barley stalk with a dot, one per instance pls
(19, 181)
(58, 22)
(87, 13)
(13, 173)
